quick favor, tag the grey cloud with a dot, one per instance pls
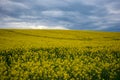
(72, 14)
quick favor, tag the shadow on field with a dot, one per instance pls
(83, 39)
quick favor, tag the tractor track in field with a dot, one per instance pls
(83, 39)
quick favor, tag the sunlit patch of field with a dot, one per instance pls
(59, 54)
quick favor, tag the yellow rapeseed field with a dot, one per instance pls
(59, 55)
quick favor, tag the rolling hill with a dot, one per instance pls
(59, 54)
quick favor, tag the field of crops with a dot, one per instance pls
(59, 54)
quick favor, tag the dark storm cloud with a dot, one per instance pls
(63, 14)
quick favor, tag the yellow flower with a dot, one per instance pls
(66, 76)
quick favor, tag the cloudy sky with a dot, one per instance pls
(61, 14)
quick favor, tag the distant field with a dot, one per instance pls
(59, 54)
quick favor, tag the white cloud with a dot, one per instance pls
(113, 8)
(8, 18)
(28, 17)
(89, 2)
(9, 5)
(48, 27)
(53, 13)
(24, 25)
(112, 11)
(51, 3)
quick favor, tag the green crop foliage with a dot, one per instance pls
(59, 55)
